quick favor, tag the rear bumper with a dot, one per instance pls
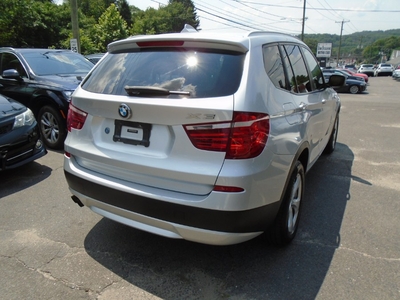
(209, 226)
(369, 73)
(384, 73)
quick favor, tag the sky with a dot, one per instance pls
(321, 16)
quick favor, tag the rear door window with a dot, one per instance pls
(315, 70)
(200, 73)
(301, 80)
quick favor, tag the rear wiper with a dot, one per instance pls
(151, 91)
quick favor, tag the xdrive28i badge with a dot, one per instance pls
(124, 111)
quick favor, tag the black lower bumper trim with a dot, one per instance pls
(253, 220)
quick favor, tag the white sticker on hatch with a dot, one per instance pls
(132, 133)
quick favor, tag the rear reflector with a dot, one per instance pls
(243, 137)
(228, 189)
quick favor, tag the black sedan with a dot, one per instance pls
(20, 140)
(352, 85)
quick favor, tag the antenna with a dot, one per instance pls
(188, 28)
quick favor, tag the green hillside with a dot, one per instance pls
(353, 45)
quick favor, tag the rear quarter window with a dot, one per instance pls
(274, 66)
(202, 73)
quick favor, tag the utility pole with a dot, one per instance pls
(304, 19)
(340, 40)
(74, 22)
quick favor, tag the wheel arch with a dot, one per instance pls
(302, 155)
(51, 100)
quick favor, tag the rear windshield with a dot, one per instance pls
(199, 73)
(367, 66)
(385, 65)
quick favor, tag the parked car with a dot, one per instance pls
(20, 140)
(384, 70)
(361, 75)
(350, 67)
(367, 69)
(352, 85)
(94, 58)
(205, 137)
(43, 80)
(396, 74)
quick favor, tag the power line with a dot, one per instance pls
(319, 8)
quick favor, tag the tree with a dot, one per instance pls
(30, 23)
(111, 27)
(383, 47)
(312, 44)
(124, 11)
(92, 8)
(168, 18)
(187, 13)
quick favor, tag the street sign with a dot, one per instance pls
(74, 45)
(324, 49)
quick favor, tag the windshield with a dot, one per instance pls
(58, 62)
(195, 73)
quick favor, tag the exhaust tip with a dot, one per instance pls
(77, 201)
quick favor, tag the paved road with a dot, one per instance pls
(347, 247)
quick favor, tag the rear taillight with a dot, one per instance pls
(76, 118)
(243, 137)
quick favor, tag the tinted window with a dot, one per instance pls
(274, 67)
(289, 70)
(57, 62)
(203, 74)
(316, 73)
(301, 80)
(10, 61)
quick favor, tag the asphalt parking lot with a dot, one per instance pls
(347, 247)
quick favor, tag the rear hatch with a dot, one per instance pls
(159, 112)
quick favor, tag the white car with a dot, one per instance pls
(367, 69)
(384, 70)
(201, 136)
(396, 74)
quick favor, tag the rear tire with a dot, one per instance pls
(284, 228)
(354, 89)
(52, 127)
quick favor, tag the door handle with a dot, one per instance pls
(302, 106)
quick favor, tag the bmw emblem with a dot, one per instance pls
(124, 111)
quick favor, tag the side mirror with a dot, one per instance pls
(11, 74)
(336, 80)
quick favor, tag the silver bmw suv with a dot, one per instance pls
(201, 136)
